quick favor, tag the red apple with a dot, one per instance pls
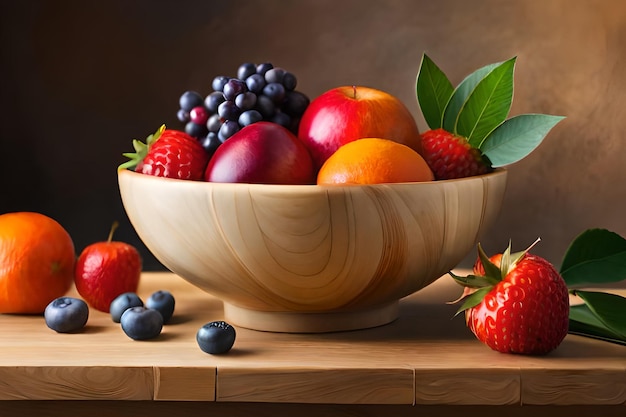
(262, 153)
(344, 114)
(105, 270)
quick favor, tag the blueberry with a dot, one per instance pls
(264, 67)
(141, 323)
(163, 302)
(216, 337)
(245, 70)
(190, 99)
(123, 302)
(275, 92)
(275, 75)
(66, 314)
(255, 83)
(219, 82)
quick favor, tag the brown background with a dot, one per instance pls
(79, 80)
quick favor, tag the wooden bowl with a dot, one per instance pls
(310, 258)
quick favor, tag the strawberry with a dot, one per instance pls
(451, 156)
(471, 132)
(516, 303)
(168, 153)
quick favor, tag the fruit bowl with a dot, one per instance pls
(309, 258)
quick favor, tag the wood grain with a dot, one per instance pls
(569, 387)
(75, 383)
(184, 384)
(311, 249)
(315, 385)
(424, 357)
(468, 387)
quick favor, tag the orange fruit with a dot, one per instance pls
(374, 161)
(36, 262)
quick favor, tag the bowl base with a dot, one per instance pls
(311, 322)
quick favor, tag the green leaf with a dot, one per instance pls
(460, 95)
(433, 92)
(596, 256)
(141, 150)
(583, 322)
(488, 105)
(517, 137)
(474, 299)
(492, 272)
(472, 281)
(609, 309)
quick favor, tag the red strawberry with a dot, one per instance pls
(451, 156)
(517, 303)
(169, 153)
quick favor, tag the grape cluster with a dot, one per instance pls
(258, 92)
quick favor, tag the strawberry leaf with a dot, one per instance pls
(433, 92)
(488, 105)
(608, 309)
(596, 256)
(474, 299)
(460, 95)
(473, 281)
(141, 150)
(517, 137)
(491, 270)
(583, 322)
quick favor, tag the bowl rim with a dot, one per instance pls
(201, 183)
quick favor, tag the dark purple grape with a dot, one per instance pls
(213, 100)
(211, 142)
(255, 83)
(263, 68)
(195, 130)
(245, 70)
(199, 115)
(289, 81)
(275, 92)
(228, 110)
(182, 116)
(245, 101)
(265, 106)
(295, 103)
(275, 75)
(214, 123)
(233, 88)
(281, 119)
(190, 99)
(248, 117)
(219, 82)
(228, 129)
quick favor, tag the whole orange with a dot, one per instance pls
(36, 262)
(374, 161)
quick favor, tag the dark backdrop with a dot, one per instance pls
(80, 79)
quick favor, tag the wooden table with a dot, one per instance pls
(424, 361)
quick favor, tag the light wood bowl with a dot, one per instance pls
(307, 258)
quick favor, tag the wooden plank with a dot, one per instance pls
(574, 386)
(184, 384)
(308, 385)
(75, 383)
(468, 387)
(424, 356)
